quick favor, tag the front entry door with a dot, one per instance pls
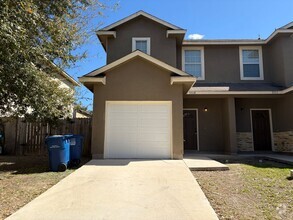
(261, 127)
(190, 129)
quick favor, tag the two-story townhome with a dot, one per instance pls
(159, 95)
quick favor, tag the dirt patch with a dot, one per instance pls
(252, 189)
(24, 178)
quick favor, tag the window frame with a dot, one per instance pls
(201, 49)
(147, 39)
(260, 63)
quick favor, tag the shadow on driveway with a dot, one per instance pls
(27, 164)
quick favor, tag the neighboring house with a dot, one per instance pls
(79, 113)
(160, 95)
(64, 78)
(66, 81)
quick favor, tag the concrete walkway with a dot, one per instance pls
(123, 189)
(281, 158)
(202, 163)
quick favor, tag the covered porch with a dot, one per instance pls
(238, 123)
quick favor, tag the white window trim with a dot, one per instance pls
(261, 75)
(147, 39)
(202, 60)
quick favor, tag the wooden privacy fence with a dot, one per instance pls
(24, 138)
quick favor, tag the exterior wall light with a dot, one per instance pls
(205, 109)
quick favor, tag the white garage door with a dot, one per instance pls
(138, 129)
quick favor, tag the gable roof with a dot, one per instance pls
(141, 13)
(66, 76)
(60, 72)
(133, 55)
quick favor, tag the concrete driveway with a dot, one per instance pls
(123, 189)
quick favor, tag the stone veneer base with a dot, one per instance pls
(244, 141)
(283, 141)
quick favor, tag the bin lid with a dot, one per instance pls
(55, 137)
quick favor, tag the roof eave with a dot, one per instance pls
(140, 13)
(132, 55)
(194, 91)
(63, 73)
(187, 82)
(237, 42)
(89, 82)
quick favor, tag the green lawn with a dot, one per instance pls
(252, 189)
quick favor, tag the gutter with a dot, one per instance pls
(194, 91)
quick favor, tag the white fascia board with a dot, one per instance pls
(106, 33)
(180, 79)
(101, 80)
(279, 31)
(222, 42)
(171, 32)
(211, 88)
(62, 73)
(196, 91)
(138, 53)
(158, 20)
(237, 42)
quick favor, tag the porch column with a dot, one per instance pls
(230, 125)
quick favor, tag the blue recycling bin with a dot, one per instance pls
(76, 142)
(58, 148)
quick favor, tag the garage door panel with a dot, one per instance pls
(116, 119)
(153, 145)
(154, 137)
(122, 140)
(138, 130)
(154, 123)
(148, 114)
(119, 107)
(154, 108)
(149, 152)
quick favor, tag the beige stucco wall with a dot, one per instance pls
(162, 48)
(222, 63)
(210, 123)
(278, 57)
(137, 80)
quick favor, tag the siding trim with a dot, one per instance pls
(147, 39)
(236, 42)
(194, 91)
(130, 56)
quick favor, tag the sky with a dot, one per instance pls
(207, 19)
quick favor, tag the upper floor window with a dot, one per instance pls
(251, 67)
(193, 61)
(142, 43)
